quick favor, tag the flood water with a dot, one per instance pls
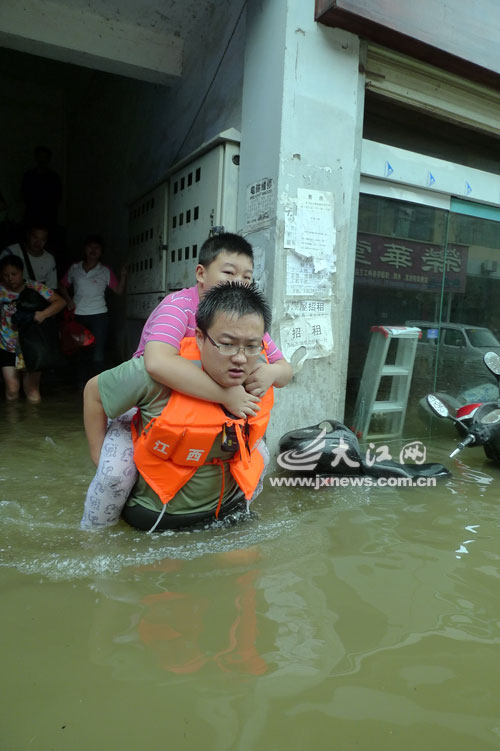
(349, 618)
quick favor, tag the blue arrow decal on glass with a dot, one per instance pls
(430, 179)
(468, 188)
(388, 169)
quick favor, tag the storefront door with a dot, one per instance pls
(435, 268)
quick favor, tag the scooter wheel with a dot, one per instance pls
(492, 453)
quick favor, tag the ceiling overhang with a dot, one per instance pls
(71, 35)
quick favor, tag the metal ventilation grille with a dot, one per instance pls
(147, 252)
(202, 196)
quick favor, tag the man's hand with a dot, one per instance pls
(260, 379)
(240, 403)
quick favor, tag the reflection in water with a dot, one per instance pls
(367, 616)
(176, 628)
(466, 473)
(463, 545)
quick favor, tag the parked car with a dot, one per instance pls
(461, 350)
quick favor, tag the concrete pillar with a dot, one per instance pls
(302, 127)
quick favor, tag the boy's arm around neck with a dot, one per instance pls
(165, 365)
(265, 375)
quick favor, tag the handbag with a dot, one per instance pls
(39, 342)
(74, 335)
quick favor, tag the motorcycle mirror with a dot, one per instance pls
(492, 362)
(438, 407)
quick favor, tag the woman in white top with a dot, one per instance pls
(90, 279)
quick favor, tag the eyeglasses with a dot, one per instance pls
(233, 349)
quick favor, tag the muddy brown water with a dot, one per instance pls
(354, 618)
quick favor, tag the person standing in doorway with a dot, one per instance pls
(89, 280)
(42, 190)
(39, 264)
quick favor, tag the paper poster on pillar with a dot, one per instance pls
(308, 325)
(260, 206)
(301, 278)
(315, 234)
(259, 268)
(290, 215)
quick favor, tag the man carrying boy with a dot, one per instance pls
(196, 462)
(224, 257)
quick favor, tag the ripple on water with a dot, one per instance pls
(42, 537)
(55, 548)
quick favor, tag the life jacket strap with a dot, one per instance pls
(223, 482)
(243, 446)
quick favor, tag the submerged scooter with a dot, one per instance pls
(479, 423)
(330, 448)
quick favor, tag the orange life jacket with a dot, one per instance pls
(174, 445)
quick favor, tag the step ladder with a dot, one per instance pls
(390, 407)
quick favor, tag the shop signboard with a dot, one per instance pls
(399, 263)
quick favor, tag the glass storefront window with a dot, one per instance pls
(438, 270)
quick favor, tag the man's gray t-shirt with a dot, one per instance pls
(129, 385)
